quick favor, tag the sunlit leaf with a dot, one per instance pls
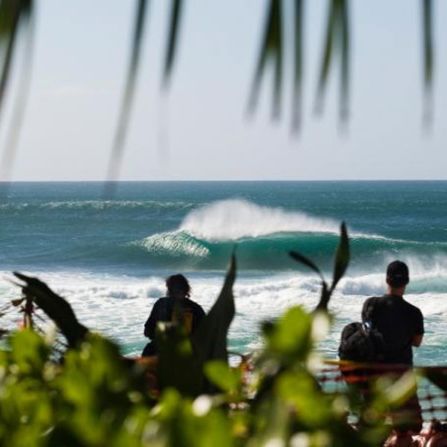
(222, 375)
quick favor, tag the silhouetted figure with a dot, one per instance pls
(176, 307)
(402, 326)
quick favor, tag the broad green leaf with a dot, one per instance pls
(290, 336)
(210, 339)
(300, 389)
(226, 378)
(177, 368)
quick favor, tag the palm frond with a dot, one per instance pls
(428, 56)
(271, 49)
(298, 66)
(336, 44)
(174, 25)
(128, 96)
(13, 135)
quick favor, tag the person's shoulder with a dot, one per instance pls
(372, 300)
(162, 301)
(193, 304)
(412, 308)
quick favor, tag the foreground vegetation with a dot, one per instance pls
(93, 396)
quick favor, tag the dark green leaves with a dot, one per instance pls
(341, 261)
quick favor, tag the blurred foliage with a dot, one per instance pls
(96, 397)
(16, 17)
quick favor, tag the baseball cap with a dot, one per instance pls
(397, 274)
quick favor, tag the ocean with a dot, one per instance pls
(109, 258)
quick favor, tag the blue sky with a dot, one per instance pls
(199, 130)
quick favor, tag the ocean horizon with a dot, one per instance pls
(109, 257)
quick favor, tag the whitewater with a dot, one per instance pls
(109, 257)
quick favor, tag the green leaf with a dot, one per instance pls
(290, 336)
(298, 66)
(301, 390)
(128, 97)
(176, 13)
(210, 339)
(13, 134)
(271, 49)
(177, 368)
(307, 262)
(428, 56)
(226, 378)
(341, 257)
(336, 41)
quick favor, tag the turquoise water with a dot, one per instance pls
(109, 257)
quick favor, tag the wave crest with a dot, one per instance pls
(235, 219)
(175, 244)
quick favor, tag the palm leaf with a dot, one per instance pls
(327, 54)
(128, 96)
(345, 62)
(210, 339)
(21, 101)
(176, 12)
(298, 67)
(271, 49)
(307, 262)
(336, 41)
(428, 55)
(11, 13)
(341, 257)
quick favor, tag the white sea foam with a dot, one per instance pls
(174, 244)
(119, 306)
(237, 218)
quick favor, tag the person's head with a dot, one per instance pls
(178, 286)
(397, 276)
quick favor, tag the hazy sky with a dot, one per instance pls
(199, 130)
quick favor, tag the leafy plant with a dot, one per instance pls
(95, 397)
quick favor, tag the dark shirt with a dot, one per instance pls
(398, 321)
(164, 309)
